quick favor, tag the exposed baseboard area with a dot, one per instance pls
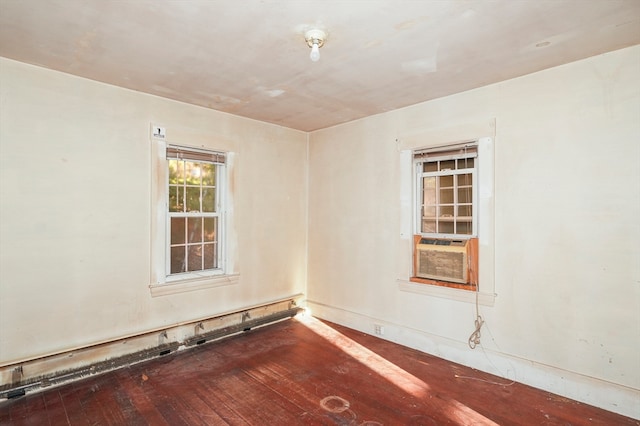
(599, 393)
(18, 378)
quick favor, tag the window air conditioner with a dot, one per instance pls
(443, 259)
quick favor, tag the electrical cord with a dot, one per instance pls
(474, 339)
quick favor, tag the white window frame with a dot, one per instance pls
(418, 193)
(219, 213)
(162, 282)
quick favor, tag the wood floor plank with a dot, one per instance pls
(70, 396)
(138, 391)
(252, 400)
(298, 372)
(168, 401)
(100, 400)
(55, 409)
(209, 393)
(31, 412)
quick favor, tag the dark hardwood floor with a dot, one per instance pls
(299, 372)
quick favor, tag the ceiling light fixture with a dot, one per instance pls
(315, 39)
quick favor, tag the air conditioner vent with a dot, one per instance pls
(443, 260)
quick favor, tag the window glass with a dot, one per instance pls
(208, 175)
(193, 215)
(193, 199)
(430, 167)
(210, 256)
(177, 259)
(177, 230)
(447, 193)
(465, 212)
(208, 199)
(210, 229)
(176, 198)
(463, 228)
(194, 254)
(448, 165)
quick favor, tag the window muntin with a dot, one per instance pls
(194, 220)
(446, 192)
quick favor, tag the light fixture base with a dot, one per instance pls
(315, 36)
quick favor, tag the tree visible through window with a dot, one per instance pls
(194, 207)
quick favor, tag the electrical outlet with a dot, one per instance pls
(378, 329)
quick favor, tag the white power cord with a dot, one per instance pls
(474, 339)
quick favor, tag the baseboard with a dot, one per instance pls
(35, 374)
(599, 393)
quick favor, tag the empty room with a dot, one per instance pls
(356, 212)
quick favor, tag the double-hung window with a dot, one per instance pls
(447, 191)
(194, 211)
(192, 223)
(446, 216)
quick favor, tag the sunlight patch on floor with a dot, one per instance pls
(463, 415)
(455, 410)
(391, 372)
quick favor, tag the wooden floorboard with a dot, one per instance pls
(299, 371)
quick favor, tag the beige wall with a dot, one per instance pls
(75, 211)
(566, 316)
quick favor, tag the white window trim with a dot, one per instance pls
(161, 283)
(486, 215)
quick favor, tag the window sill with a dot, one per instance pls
(467, 287)
(461, 295)
(192, 284)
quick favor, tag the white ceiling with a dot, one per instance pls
(249, 57)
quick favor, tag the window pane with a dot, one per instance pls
(210, 256)
(428, 226)
(195, 257)
(193, 199)
(446, 211)
(208, 174)
(465, 195)
(193, 173)
(176, 199)
(210, 228)
(208, 199)
(430, 167)
(445, 227)
(465, 211)
(177, 230)
(193, 241)
(463, 228)
(194, 230)
(177, 260)
(446, 196)
(429, 211)
(465, 180)
(446, 181)
(448, 165)
(466, 163)
(176, 171)
(429, 190)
